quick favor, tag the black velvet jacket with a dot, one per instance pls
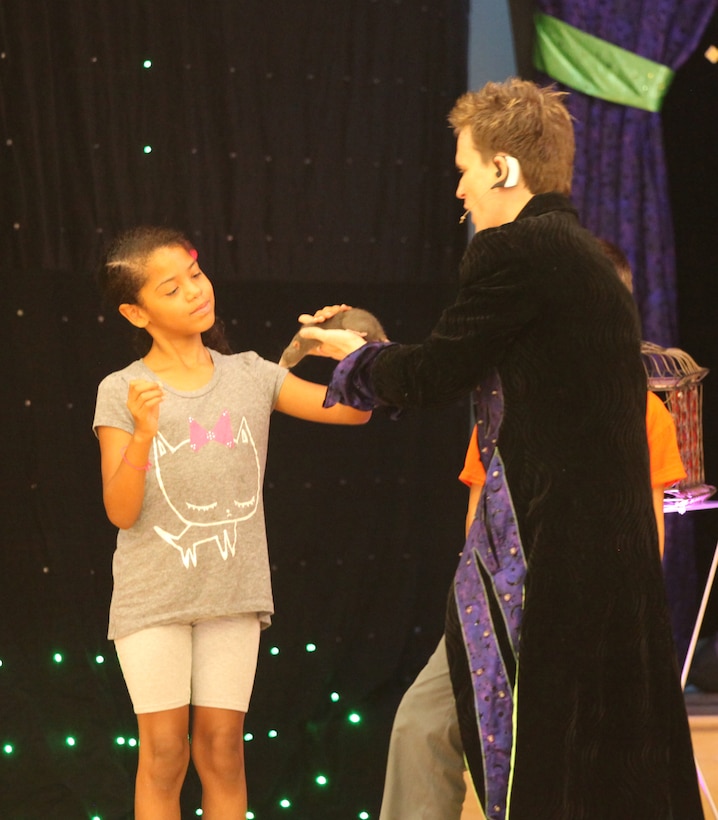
(601, 728)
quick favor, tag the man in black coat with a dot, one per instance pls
(557, 634)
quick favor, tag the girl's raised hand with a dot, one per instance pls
(322, 314)
(143, 401)
(334, 344)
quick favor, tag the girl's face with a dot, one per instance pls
(177, 299)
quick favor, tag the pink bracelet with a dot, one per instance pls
(143, 469)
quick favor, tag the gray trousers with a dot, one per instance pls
(425, 769)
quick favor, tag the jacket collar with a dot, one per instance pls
(545, 203)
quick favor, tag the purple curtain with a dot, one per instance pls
(620, 182)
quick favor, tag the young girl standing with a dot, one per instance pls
(183, 438)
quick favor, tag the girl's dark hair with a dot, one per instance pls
(123, 274)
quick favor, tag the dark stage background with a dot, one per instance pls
(304, 148)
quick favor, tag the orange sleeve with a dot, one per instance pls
(473, 472)
(666, 465)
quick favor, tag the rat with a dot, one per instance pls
(356, 319)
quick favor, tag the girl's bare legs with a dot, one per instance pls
(162, 765)
(218, 756)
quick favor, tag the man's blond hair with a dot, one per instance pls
(527, 121)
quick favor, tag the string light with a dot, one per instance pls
(321, 780)
(147, 64)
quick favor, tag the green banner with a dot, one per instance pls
(598, 68)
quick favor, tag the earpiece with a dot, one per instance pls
(513, 169)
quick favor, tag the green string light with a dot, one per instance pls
(147, 64)
(321, 780)
(147, 149)
(8, 748)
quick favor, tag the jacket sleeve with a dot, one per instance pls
(496, 301)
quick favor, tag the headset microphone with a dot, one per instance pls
(487, 191)
(510, 181)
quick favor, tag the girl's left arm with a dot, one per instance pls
(304, 400)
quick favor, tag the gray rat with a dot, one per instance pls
(361, 321)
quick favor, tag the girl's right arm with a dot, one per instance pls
(125, 457)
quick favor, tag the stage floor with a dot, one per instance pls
(703, 717)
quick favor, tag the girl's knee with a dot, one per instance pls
(221, 753)
(164, 760)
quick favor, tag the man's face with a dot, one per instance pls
(475, 185)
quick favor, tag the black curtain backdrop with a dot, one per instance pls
(300, 141)
(690, 130)
(304, 147)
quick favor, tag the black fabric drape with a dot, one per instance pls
(304, 147)
(295, 141)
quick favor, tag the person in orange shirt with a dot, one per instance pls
(665, 459)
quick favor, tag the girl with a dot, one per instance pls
(183, 438)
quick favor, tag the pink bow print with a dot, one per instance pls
(221, 432)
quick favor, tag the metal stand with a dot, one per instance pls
(675, 374)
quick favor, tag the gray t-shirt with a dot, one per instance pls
(198, 549)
